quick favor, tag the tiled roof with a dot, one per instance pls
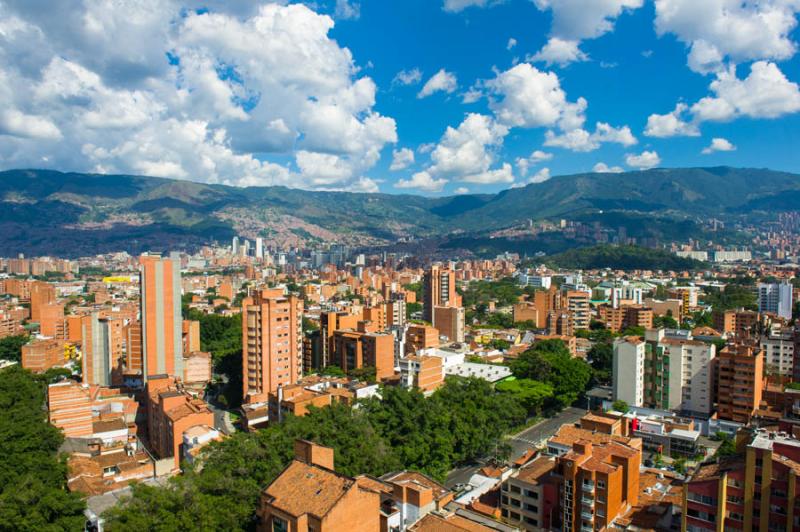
(307, 489)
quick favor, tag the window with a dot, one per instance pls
(601, 484)
(532, 521)
(279, 525)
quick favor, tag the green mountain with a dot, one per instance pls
(72, 214)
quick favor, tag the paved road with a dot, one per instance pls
(531, 437)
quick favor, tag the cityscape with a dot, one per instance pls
(399, 266)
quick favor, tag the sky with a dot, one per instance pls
(434, 97)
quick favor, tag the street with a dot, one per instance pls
(520, 442)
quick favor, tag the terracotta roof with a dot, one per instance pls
(567, 435)
(307, 489)
(534, 471)
(417, 478)
(451, 523)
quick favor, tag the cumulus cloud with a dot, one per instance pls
(443, 81)
(603, 168)
(408, 77)
(467, 149)
(504, 174)
(512, 42)
(718, 144)
(580, 140)
(203, 95)
(576, 20)
(560, 52)
(764, 93)
(537, 156)
(461, 190)
(716, 30)
(422, 181)
(671, 124)
(402, 158)
(643, 161)
(524, 96)
(541, 176)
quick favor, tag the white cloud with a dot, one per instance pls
(581, 140)
(441, 81)
(512, 42)
(643, 161)
(524, 96)
(537, 156)
(454, 6)
(560, 52)
(671, 124)
(426, 147)
(541, 176)
(402, 158)
(347, 10)
(422, 181)
(765, 93)
(576, 20)
(718, 144)
(504, 174)
(157, 88)
(408, 77)
(719, 29)
(467, 149)
(461, 190)
(472, 95)
(603, 168)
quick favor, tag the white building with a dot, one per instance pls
(536, 281)
(775, 298)
(732, 256)
(778, 348)
(628, 370)
(696, 255)
(259, 248)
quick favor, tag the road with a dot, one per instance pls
(531, 437)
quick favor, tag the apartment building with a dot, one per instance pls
(439, 290)
(741, 323)
(272, 350)
(775, 298)
(160, 294)
(578, 303)
(330, 322)
(530, 499)
(665, 372)
(450, 322)
(757, 491)
(170, 412)
(424, 372)
(41, 355)
(359, 348)
(421, 337)
(740, 381)
(620, 318)
(779, 351)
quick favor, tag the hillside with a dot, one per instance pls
(71, 214)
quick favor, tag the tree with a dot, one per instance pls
(530, 393)
(33, 494)
(551, 362)
(620, 406)
(11, 347)
(499, 344)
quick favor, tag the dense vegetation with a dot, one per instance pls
(33, 492)
(734, 296)
(622, 258)
(11, 347)
(551, 363)
(463, 420)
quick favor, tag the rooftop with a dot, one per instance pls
(307, 489)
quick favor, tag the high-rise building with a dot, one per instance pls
(96, 350)
(235, 246)
(330, 322)
(272, 348)
(439, 290)
(628, 370)
(358, 349)
(775, 298)
(41, 294)
(259, 248)
(740, 382)
(160, 288)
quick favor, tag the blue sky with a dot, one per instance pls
(309, 95)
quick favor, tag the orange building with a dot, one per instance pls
(600, 482)
(52, 322)
(619, 319)
(170, 412)
(525, 311)
(424, 372)
(191, 336)
(358, 349)
(133, 347)
(450, 322)
(272, 349)
(41, 355)
(439, 290)
(160, 287)
(421, 337)
(330, 322)
(740, 381)
(41, 294)
(741, 323)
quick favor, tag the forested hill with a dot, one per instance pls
(70, 214)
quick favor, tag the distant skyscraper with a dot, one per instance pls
(96, 350)
(259, 248)
(775, 298)
(160, 288)
(272, 348)
(246, 248)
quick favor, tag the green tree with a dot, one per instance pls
(620, 406)
(11, 347)
(530, 393)
(551, 362)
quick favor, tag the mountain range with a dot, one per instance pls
(73, 214)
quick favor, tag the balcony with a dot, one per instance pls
(588, 502)
(587, 529)
(588, 487)
(589, 516)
